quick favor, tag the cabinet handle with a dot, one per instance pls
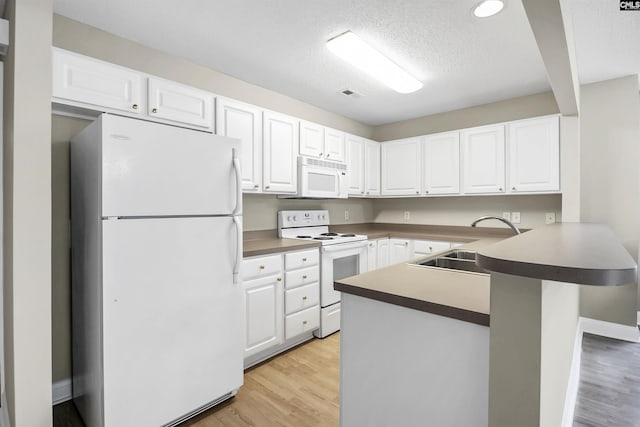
(406, 243)
(262, 267)
(367, 192)
(513, 188)
(279, 279)
(320, 154)
(362, 192)
(430, 248)
(304, 298)
(426, 191)
(417, 192)
(134, 106)
(328, 155)
(154, 110)
(500, 189)
(266, 187)
(304, 322)
(304, 260)
(304, 277)
(255, 186)
(370, 245)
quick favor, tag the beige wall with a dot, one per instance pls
(512, 109)
(610, 179)
(27, 214)
(87, 40)
(463, 210)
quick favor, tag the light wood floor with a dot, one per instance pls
(298, 388)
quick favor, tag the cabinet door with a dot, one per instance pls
(334, 145)
(483, 159)
(372, 255)
(372, 168)
(401, 167)
(383, 252)
(399, 250)
(311, 139)
(534, 155)
(179, 103)
(427, 247)
(243, 121)
(355, 165)
(280, 137)
(441, 163)
(89, 81)
(264, 313)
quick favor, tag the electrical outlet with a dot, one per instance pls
(549, 217)
(515, 217)
(346, 215)
(407, 215)
(506, 215)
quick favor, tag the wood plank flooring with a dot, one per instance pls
(609, 390)
(298, 388)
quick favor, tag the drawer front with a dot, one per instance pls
(429, 246)
(301, 322)
(301, 259)
(261, 266)
(301, 277)
(302, 297)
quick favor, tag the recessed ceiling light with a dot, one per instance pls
(488, 8)
(352, 49)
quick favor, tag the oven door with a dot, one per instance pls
(322, 182)
(340, 261)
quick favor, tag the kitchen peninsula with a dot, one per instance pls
(440, 365)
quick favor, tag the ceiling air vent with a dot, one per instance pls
(350, 93)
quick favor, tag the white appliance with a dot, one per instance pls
(321, 179)
(342, 255)
(156, 250)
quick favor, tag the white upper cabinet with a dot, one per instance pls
(104, 86)
(243, 121)
(311, 140)
(176, 102)
(534, 155)
(334, 145)
(371, 168)
(483, 160)
(280, 147)
(356, 164)
(322, 142)
(401, 162)
(441, 163)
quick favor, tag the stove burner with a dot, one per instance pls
(323, 238)
(329, 234)
(303, 237)
(347, 235)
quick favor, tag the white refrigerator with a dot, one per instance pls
(156, 250)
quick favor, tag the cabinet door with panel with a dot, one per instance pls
(356, 165)
(401, 167)
(85, 80)
(534, 155)
(168, 100)
(280, 148)
(483, 160)
(372, 255)
(382, 252)
(427, 247)
(243, 121)
(311, 140)
(371, 168)
(441, 163)
(264, 314)
(400, 250)
(334, 145)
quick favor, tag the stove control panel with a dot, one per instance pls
(289, 219)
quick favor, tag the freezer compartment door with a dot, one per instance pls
(150, 169)
(172, 317)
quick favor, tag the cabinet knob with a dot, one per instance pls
(154, 110)
(304, 322)
(304, 260)
(500, 189)
(279, 279)
(362, 192)
(367, 192)
(417, 192)
(426, 191)
(328, 155)
(430, 248)
(304, 277)
(134, 106)
(370, 245)
(266, 187)
(255, 186)
(262, 267)
(513, 188)
(406, 243)
(320, 154)
(304, 298)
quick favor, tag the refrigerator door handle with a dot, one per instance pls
(236, 169)
(237, 220)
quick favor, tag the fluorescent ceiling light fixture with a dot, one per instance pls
(352, 49)
(488, 8)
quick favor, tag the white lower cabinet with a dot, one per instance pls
(427, 247)
(372, 255)
(263, 311)
(302, 297)
(378, 253)
(399, 250)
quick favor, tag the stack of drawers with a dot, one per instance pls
(302, 295)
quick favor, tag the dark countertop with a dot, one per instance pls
(586, 254)
(266, 242)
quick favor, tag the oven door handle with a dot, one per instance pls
(344, 246)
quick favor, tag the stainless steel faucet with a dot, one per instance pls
(509, 223)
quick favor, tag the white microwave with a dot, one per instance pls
(322, 179)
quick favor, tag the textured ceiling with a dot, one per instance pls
(280, 45)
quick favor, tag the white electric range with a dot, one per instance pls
(342, 255)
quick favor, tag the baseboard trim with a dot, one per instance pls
(5, 421)
(610, 330)
(61, 391)
(571, 395)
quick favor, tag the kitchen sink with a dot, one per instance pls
(454, 260)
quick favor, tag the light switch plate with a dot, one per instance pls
(407, 215)
(515, 217)
(506, 215)
(346, 215)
